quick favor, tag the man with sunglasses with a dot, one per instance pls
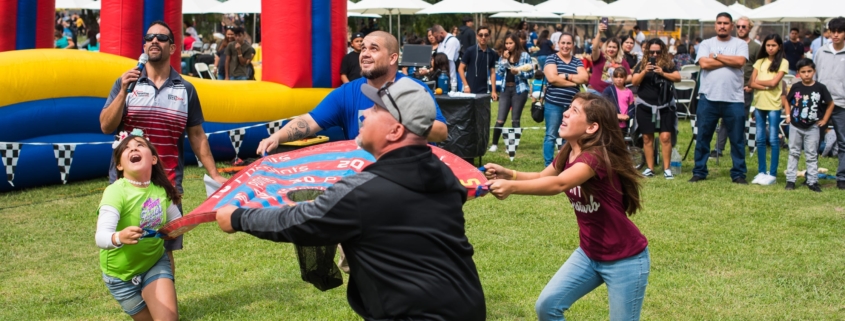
(345, 105)
(478, 64)
(721, 59)
(400, 220)
(165, 107)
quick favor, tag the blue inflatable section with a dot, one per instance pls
(76, 120)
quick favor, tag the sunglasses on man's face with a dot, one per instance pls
(483, 35)
(158, 36)
(741, 27)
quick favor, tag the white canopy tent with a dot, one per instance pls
(352, 14)
(799, 10)
(236, 6)
(526, 14)
(198, 6)
(389, 7)
(577, 9)
(74, 4)
(712, 8)
(93, 5)
(655, 9)
(473, 6)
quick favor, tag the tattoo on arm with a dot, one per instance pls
(299, 130)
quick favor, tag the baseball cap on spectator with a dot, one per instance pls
(408, 102)
(357, 35)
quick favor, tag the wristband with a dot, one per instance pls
(513, 174)
(116, 241)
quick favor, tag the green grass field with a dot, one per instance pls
(719, 251)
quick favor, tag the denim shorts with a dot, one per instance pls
(128, 293)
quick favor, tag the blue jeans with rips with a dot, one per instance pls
(772, 117)
(626, 281)
(733, 117)
(554, 116)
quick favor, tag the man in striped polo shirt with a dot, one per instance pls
(165, 107)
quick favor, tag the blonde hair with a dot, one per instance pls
(750, 23)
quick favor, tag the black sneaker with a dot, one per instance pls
(695, 179)
(840, 184)
(790, 186)
(740, 180)
(816, 188)
(714, 154)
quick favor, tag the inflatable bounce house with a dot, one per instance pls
(52, 98)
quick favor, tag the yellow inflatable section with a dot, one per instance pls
(54, 73)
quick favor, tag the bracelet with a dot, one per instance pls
(513, 174)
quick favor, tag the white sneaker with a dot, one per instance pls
(768, 180)
(648, 173)
(493, 148)
(667, 174)
(758, 179)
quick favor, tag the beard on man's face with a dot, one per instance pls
(375, 72)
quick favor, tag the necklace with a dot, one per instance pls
(137, 182)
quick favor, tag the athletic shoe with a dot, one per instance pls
(740, 180)
(715, 154)
(493, 148)
(648, 173)
(667, 174)
(840, 184)
(696, 179)
(790, 186)
(768, 180)
(815, 188)
(758, 179)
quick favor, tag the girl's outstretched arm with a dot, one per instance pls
(545, 185)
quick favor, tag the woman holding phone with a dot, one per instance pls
(565, 73)
(516, 69)
(654, 115)
(605, 60)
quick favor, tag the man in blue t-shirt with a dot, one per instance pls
(345, 105)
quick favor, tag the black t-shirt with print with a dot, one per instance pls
(350, 66)
(807, 103)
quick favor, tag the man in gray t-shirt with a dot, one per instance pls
(721, 59)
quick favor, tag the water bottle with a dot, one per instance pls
(443, 82)
(675, 162)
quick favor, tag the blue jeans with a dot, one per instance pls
(239, 78)
(554, 116)
(733, 117)
(626, 281)
(773, 118)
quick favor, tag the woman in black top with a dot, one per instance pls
(627, 46)
(220, 62)
(547, 48)
(654, 115)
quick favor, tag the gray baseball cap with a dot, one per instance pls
(407, 101)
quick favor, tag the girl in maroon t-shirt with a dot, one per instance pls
(596, 172)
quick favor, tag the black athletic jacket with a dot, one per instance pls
(401, 225)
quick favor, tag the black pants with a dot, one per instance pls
(509, 99)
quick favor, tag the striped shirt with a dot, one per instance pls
(562, 96)
(163, 114)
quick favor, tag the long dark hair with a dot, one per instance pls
(763, 54)
(92, 37)
(544, 35)
(441, 62)
(158, 176)
(607, 145)
(518, 48)
(663, 59)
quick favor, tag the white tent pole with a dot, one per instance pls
(399, 24)
(390, 12)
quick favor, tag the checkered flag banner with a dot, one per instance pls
(511, 137)
(10, 152)
(559, 143)
(199, 163)
(64, 157)
(237, 137)
(694, 128)
(274, 126)
(751, 135)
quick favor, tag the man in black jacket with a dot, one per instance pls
(400, 221)
(466, 35)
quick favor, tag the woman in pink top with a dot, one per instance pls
(605, 61)
(595, 171)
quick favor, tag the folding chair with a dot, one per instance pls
(685, 84)
(203, 67)
(690, 68)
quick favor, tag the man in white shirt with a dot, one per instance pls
(450, 46)
(820, 42)
(639, 38)
(556, 36)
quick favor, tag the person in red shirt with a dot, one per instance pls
(188, 41)
(597, 174)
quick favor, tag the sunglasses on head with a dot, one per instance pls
(159, 36)
(384, 91)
